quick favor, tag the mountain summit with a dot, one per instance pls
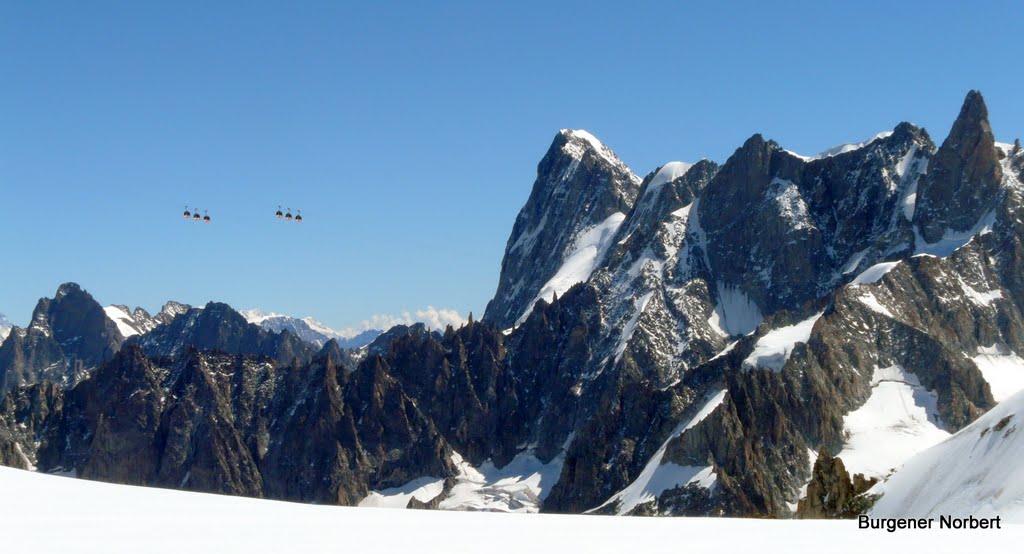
(580, 197)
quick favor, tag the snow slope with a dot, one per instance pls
(977, 471)
(659, 476)
(898, 421)
(57, 514)
(586, 252)
(122, 319)
(1002, 368)
(773, 349)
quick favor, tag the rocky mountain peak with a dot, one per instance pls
(581, 195)
(963, 177)
(218, 327)
(69, 335)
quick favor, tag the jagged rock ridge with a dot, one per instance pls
(680, 344)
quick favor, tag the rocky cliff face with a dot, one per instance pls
(68, 336)
(581, 195)
(964, 176)
(230, 424)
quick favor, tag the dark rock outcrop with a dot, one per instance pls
(69, 335)
(964, 176)
(832, 493)
(218, 327)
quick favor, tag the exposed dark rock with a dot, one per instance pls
(218, 327)
(964, 176)
(832, 493)
(69, 335)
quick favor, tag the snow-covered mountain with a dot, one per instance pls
(579, 199)
(5, 327)
(139, 322)
(309, 329)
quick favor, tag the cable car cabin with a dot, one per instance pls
(188, 214)
(288, 216)
(206, 219)
(298, 218)
(279, 215)
(196, 217)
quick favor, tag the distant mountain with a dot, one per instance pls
(138, 321)
(69, 335)
(5, 327)
(218, 327)
(309, 329)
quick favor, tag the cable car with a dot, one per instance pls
(279, 215)
(206, 218)
(298, 217)
(196, 216)
(188, 214)
(288, 216)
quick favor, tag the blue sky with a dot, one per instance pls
(409, 133)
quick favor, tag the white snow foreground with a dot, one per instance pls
(977, 471)
(45, 513)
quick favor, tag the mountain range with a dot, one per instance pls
(773, 336)
(309, 329)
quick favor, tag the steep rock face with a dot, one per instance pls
(69, 335)
(227, 424)
(652, 285)
(218, 327)
(581, 195)
(963, 177)
(758, 228)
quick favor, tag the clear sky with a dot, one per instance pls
(409, 132)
